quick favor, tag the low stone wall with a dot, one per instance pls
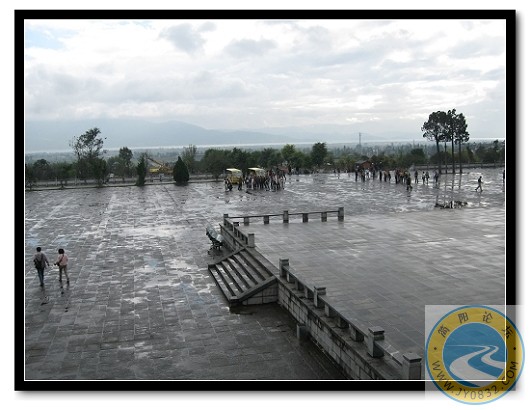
(360, 353)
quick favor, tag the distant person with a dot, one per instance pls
(427, 176)
(416, 176)
(423, 177)
(479, 183)
(62, 263)
(41, 261)
(409, 182)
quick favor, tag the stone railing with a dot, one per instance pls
(235, 238)
(287, 216)
(410, 364)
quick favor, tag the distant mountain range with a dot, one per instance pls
(48, 136)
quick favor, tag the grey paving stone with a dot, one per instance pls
(139, 289)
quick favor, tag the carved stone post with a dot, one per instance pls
(284, 263)
(411, 367)
(316, 292)
(374, 334)
(251, 243)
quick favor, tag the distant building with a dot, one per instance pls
(365, 164)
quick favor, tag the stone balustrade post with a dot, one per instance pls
(375, 333)
(305, 217)
(318, 291)
(251, 241)
(299, 285)
(308, 293)
(324, 216)
(246, 220)
(341, 323)
(411, 366)
(341, 213)
(225, 221)
(284, 263)
(265, 219)
(329, 311)
(285, 217)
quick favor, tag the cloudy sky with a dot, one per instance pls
(373, 75)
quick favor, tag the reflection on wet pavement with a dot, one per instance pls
(141, 304)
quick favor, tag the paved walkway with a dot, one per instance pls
(382, 270)
(141, 304)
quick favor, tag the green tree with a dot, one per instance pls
(42, 170)
(99, 169)
(116, 166)
(415, 156)
(141, 170)
(239, 159)
(188, 156)
(180, 172)
(289, 154)
(88, 149)
(434, 130)
(63, 171)
(216, 161)
(29, 176)
(269, 158)
(126, 156)
(319, 151)
(460, 135)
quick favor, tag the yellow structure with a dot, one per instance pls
(233, 175)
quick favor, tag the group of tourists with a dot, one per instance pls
(271, 180)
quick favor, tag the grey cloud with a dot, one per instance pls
(208, 26)
(47, 89)
(494, 46)
(184, 37)
(246, 47)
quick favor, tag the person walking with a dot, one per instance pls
(479, 183)
(62, 262)
(41, 261)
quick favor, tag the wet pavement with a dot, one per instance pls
(141, 304)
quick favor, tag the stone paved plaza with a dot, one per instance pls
(142, 306)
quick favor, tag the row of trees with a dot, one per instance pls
(90, 163)
(446, 127)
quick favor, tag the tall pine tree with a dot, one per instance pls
(180, 172)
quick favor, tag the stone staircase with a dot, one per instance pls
(245, 277)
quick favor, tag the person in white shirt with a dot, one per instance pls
(62, 262)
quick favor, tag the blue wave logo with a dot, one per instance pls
(475, 354)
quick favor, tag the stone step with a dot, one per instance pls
(222, 282)
(249, 269)
(254, 265)
(236, 278)
(240, 275)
